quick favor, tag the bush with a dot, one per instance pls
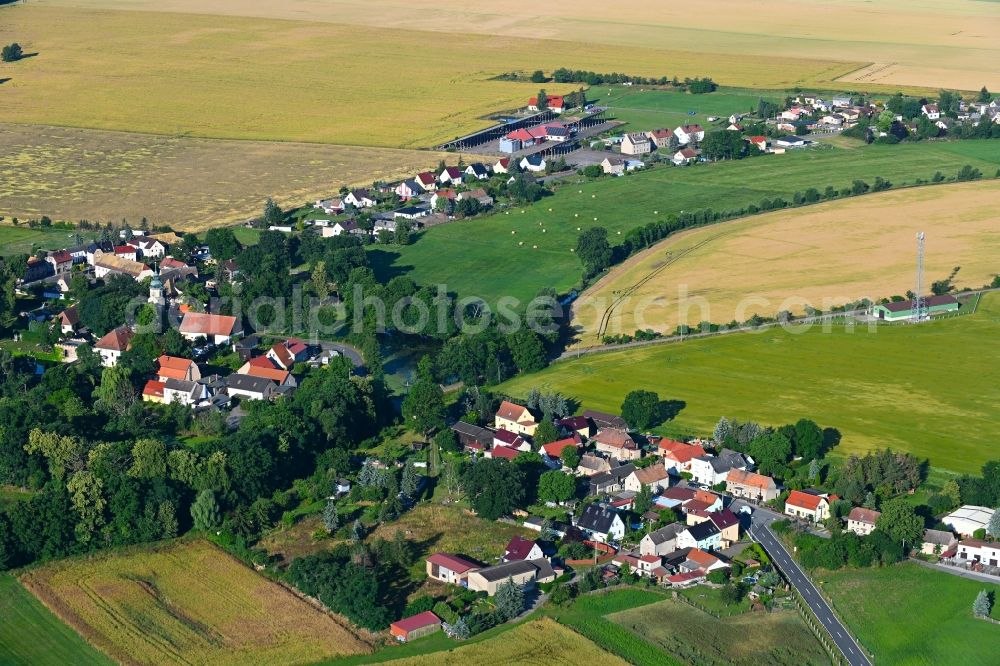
(445, 612)
(422, 603)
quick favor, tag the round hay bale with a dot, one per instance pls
(593, 196)
(534, 247)
(572, 250)
(543, 231)
(512, 231)
(520, 242)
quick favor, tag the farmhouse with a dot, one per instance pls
(522, 572)
(217, 329)
(415, 626)
(902, 310)
(452, 569)
(515, 418)
(977, 550)
(129, 252)
(968, 518)
(862, 521)
(654, 476)
(685, 156)
(617, 443)
(636, 143)
(750, 485)
(661, 541)
(601, 524)
(62, 262)
(759, 141)
(807, 506)
(937, 542)
(111, 264)
(554, 103)
(113, 345)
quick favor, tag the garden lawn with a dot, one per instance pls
(645, 110)
(24, 240)
(927, 389)
(909, 614)
(30, 634)
(780, 638)
(519, 251)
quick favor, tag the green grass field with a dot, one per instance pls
(930, 389)
(651, 109)
(22, 240)
(778, 638)
(30, 634)
(907, 614)
(496, 256)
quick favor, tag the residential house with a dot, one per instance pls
(977, 550)
(341, 227)
(426, 180)
(359, 199)
(704, 536)
(931, 111)
(262, 366)
(111, 264)
(660, 137)
(519, 548)
(689, 134)
(515, 418)
(654, 476)
(617, 443)
(554, 103)
(448, 193)
(613, 166)
(452, 569)
(575, 424)
(675, 497)
(153, 391)
(504, 452)
(334, 206)
(532, 163)
(502, 165)
(478, 170)
(408, 189)
(612, 481)
(129, 252)
(791, 141)
(677, 456)
(522, 572)
(62, 262)
(661, 541)
(94, 249)
(69, 320)
(759, 141)
(751, 486)
(251, 388)
(174, 367)
(603, 420)
(412, 212)
(554, 450)
(150, 248)
(636, 143)
(862, 521)
(938, 542)
(479, 194)
(216, 329)
(592, 464)
(965, 520)
(287, 353)
(185, 392)
(700, 560)
(601, 524)
(37, 269)
(113, 345)
(685, 156)
(473, 437)
(415, 626)
(841, 102)
(807, 506)
(451, 175)
(79, 254)
(728, 525)
(512, 440)
(712, 470)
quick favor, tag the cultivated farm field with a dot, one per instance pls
(779, 637)
(31, 634)
(496, 256)
(187, 603)
(886, 388)
(824, 256)
(937, 607)
(189, 183)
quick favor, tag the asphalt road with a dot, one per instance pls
(842, 638)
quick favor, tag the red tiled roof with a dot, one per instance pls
(174, 367)
(518, 548)
(61, 257)
(504, 452)
(686, 577)
(723, 519)
(274, 374)
(679, 451)
(426, 178)
(124, 249)
(699, 556)
(650, 558)
(745, 478)
(202, 323)
(153, 388)
(863, 515)
(705, 496)
(555, 449)
(418, 621)
(552, 102)
(804, 500)
(118, 339)
(452, 562)
(758, 139)
(618, 439)
(697, 507)
(678, 493)
(510, 411)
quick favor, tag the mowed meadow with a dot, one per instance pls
(929, 389)
(825, 255)
(519, 251)
(187, 603)
(71, 174)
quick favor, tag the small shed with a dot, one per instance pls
(415, 626)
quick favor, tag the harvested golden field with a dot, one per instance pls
(542, 641)
(823, 255)
(187, 603)
(72, 174)
(915, 43)
(270, 79)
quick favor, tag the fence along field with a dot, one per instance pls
(73, 174)
(920, 43)
(842, 251)
(187, 603)
(889, 388)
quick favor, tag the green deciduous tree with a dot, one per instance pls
(423, 407)
(900, 522)
(149, 459)
(545, 433)
(570, 457)
(495, 487)
(641, 409)
(85, 494)
(556, 486)
(594, 250)
(205, 511)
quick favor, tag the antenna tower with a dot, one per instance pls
(919, 306)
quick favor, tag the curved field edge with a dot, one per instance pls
(31, 634)
(928, 389)
(832, 253)
(186, 601)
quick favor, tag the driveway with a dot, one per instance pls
(842, 638)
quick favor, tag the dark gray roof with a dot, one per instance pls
(703, 530)
(930, 301)
(249, 383)
(604, 420)
(481, 435)
(667, 533)
(508, 569)
(596, 519)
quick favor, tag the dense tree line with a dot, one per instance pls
(884, 472)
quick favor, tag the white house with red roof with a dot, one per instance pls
(807, 506)
(217, 329)
(554, 103)
(684, 156)
(502, 165)
(453, 569)
(426, 180)
(689, 134)
(175, 367)
(113, 345)
(554, 450)
(759, 141)
(450, 175)
(62, 262)
(677, 456)
(511, 440)
(519, 548)
(287, 353)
